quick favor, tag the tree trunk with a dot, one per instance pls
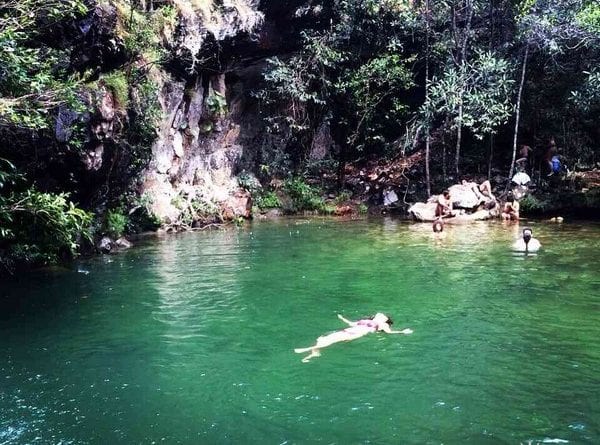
(341, 173)
(444, 168)
(428, 136)
(518, 113)
(489, 175)
(458, 139)
(463, 60)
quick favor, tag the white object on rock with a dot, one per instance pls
(389, 197)
(521, 178)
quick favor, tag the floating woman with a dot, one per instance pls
(357, 329)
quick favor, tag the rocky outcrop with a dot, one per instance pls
(468, 206)
(198, 151)
(108, 245)
(463, 197)
(425, 211)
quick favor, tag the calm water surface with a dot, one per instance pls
(188, 340)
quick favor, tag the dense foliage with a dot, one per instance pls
(59, 67)
(391, 76)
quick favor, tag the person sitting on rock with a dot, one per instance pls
(486, 189)
(510, 212)
(483, 192)
(444, 205)
(357, 329)
(527, 243)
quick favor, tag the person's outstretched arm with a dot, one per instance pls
(351, 323)
(387, 330)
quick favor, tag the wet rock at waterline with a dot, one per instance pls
(105, 245)
(108, 245)
(238, 205)
(122, 243)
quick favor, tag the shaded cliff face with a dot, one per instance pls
(176, 118)
(198, 149)
(210, 130)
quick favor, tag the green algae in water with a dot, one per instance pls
(190, 339)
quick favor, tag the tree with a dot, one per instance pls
(552, 28)
(32, 79)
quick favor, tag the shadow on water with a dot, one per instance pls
(190, 339)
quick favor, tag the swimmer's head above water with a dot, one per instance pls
(438, 226)
(527, 233)
(381, 318)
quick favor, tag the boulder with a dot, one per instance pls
(65, 120)
(423, 211)
(239, 204)
(122, 243)
(105, 245)
(463, 197)
(389, 197)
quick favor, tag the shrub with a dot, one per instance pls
(303, 195)
(268, 200)
(115, 223)
(118, 84)
(530, 204)
(343, 197)
(39, 228)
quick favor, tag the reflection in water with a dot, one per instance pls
(197, 284)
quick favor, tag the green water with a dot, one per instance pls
(189, 339)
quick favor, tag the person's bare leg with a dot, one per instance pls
(314, 353)
(323, 342)
(486, 189)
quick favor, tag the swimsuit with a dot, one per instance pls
(360, 325)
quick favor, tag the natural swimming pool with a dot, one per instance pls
(190, 339)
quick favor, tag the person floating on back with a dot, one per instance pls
(527, 243)
(357, 329)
